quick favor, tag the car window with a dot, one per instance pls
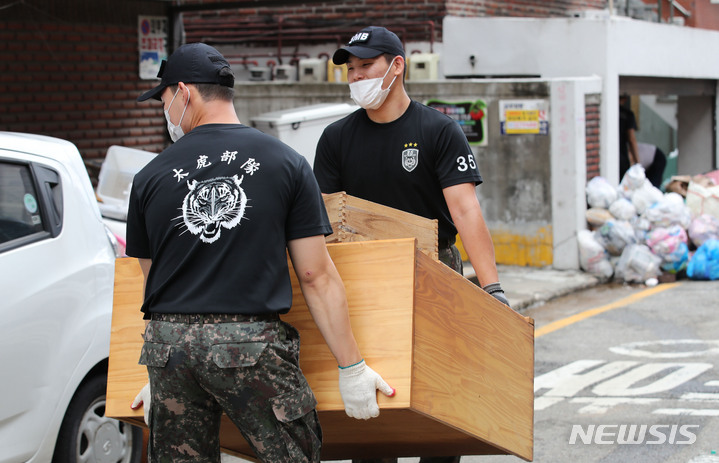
(20, 206)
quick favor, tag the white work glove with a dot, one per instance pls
(358, 387)
(143, 399)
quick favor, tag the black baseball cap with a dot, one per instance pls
(192, 63)
(370, 42)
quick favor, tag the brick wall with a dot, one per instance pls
(592, 121)
(521, 8)
(319, 22)
(69, 69)
(314, 22)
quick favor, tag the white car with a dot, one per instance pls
(57, 260)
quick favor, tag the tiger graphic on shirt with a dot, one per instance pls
(212, 205)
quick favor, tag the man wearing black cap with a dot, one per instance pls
(400, 153)
(211, 219)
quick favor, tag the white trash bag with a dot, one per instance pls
(615, 235)
(623, 209)
(600, 193)
(593, 258)
(637, 264)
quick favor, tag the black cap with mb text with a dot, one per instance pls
(192, 63)
(370, 42)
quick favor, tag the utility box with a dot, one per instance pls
(115, 179)
(423, 66)
(313, 70)
(286, 73)
(336, 72)
(260, 73)
(301, 127)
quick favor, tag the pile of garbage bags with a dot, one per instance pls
(638, 233)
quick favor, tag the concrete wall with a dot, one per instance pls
(695, 150)
(533, 191)
(610, 47)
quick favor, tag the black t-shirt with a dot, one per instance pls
(403, 164)
(214, 213)
(627, 121)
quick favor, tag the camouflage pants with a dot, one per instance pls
(248, 367)
(451, 257)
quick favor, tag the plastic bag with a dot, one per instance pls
(703, 228)
(670, 244)
(646, 196)
(680, 259)
(596, 217)
(704, 265)
(593, 258)
(623, 209)
(703, 199)
(665, 242)
(615, 235)
(633, 178)
(600, 193)
(671, 210)
(637, 264)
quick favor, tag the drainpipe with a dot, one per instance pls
(279, 39)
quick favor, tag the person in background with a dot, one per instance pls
(654, 161)
(211, 220)
(628, 151)
(402, 154)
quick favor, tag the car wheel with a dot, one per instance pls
(87, 435)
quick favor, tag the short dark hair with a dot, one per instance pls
(389, 57)
(211, 92)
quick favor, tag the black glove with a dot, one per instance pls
(495, 290)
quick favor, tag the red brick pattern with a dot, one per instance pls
(592, 118)
(77, 81)
(69, 68)
(521, 8)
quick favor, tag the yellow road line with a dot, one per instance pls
(559, 324)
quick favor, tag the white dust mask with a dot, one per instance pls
(368, 93)
(175, 130)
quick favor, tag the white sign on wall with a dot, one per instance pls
(152, 44)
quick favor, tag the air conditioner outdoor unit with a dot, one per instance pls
(313, 70)
(286, 72)
(260, 73)
(423, 66)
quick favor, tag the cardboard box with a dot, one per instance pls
(462, 363)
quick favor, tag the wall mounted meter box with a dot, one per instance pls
(115, 179)
(336, 72)
(313, 70)
(286, 73)
(423, 66)
(302, 127)
(241, 72)
(260, 73)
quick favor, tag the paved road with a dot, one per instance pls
(625, 374)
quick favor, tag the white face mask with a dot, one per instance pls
(175, 130)
(368, 93)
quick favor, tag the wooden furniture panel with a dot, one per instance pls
(461, 362)
(355, 219)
